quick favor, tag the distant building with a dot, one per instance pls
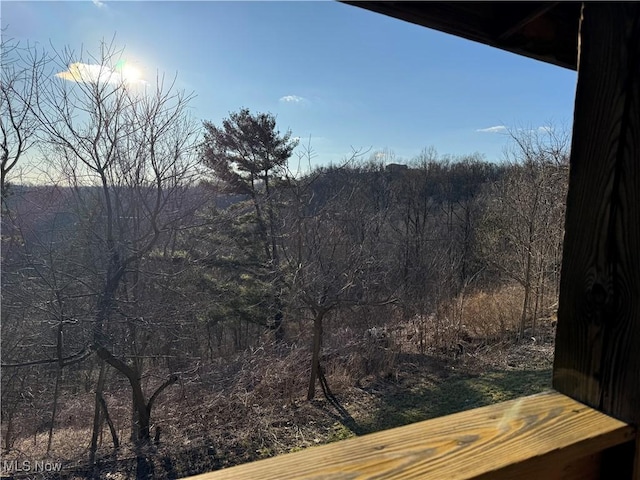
(395, 168)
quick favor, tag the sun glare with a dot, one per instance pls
(131, 74)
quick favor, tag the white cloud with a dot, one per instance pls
(92, 73)
(98, 3)
(496, 129)
(85, 73)
(545, 129)
(293, 99)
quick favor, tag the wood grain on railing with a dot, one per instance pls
(544, 436)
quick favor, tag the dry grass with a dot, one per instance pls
(67, 444)
(252, 405)
(492, 315)
(481, 318)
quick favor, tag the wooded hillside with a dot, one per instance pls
(157, 268)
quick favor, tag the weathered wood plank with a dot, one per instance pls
(597, 358)
(547, 433)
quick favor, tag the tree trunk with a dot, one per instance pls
(112, 428)
(278, 327)
(141, 419)
(97, 420)
(56, 390)
(527, 285)
(315, 354)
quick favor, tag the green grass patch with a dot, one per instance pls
(454, 394)
(339, 432)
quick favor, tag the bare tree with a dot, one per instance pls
(332, 250)
(523, 229)
(126, 148)
(40, 292)
(22, 68)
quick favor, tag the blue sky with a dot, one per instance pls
(345, 77)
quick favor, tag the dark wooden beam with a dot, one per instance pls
(597, 357)
(531, 17)
(546, 31)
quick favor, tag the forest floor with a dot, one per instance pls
(419, 387)
(204, 431)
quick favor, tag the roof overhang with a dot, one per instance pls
(546, 31)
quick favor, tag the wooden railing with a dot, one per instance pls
(546, 436)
